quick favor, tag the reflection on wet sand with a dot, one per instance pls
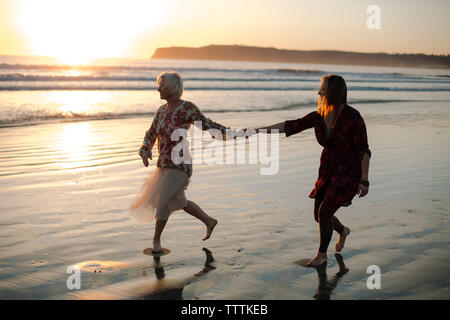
(162, 288)
(167, 292)
(327, 286)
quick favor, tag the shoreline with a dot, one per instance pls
(77, 215)
(435, 67)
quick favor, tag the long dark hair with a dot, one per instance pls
(335, 96)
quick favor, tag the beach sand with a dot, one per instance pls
(66, 188)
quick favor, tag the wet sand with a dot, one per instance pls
(66, 188)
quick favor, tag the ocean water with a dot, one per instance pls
(69, 169)
(35, 90)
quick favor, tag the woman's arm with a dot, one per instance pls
(194, 115)
(150, 137)
(277, 126)
(291, 127)
(365, 167)
(362, 146)
(362, 188)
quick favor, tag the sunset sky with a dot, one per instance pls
(85, 29)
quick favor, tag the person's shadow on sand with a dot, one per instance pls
(175, 292)
(327, 286)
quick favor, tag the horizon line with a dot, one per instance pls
(237, 45)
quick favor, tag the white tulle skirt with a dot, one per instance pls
(161, 195)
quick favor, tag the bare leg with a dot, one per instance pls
(337, 225)
(159, 227)
(194, 210)
(340, 243)
(325, 215)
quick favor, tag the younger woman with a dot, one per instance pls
(344, 163)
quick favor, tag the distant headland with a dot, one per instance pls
(246, 53)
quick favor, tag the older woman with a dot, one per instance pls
(344, 163)
(163, 192)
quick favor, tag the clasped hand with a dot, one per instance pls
(245, 133)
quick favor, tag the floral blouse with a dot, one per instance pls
(162, 127)
(340, 163)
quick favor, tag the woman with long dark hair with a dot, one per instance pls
(344, 163)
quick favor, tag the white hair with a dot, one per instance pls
(171, 80)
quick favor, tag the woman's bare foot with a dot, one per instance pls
(340, 243)
(157, 246)
(209, 228)
(318, 260)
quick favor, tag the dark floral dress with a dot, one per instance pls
(340, 163)
(165, 123)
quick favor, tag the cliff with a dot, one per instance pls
(246, 53)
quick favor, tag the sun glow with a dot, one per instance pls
(78, 31)
(77, 102)
(76, 136)
(76, 141)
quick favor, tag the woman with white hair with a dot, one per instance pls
(163, 192)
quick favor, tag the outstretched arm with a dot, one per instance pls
(196, 117)
(291, 127)
(277, 126)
